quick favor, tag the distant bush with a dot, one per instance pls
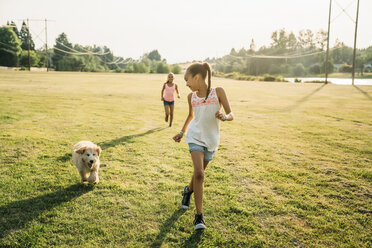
(136, 68)
(162, 68)
(69, 64)
(299, 70)
(269, 78)
(140, 68)
(34, 58)
(119, 70)
(176, 69)
(315, 69)
(296, 80)
(331, 67)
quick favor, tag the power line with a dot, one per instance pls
(344, 10)
(119, 61)
(281, 56)
(277, 56)
(116, 62)
(81, 53)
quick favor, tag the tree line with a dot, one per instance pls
(304, 54)
(65, 56)
(292, 55)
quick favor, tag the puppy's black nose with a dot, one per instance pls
(91, 161)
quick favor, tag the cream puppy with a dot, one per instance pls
(86, 158)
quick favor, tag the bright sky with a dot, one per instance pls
(185, 30)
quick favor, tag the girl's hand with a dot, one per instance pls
(220, 116)
(178, 137)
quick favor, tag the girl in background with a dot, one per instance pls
(203, 134)
(167, 96)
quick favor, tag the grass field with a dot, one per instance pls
(294, 168)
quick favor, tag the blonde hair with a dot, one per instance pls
(202, 69)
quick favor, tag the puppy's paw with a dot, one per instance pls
(93, 181)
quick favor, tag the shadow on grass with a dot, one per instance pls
(165, 228)
(111, 143)
(363, 92)
(65, 157)
(194, 239)
(16, 215)
(124, 139)
(302, 100)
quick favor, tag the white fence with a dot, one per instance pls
(19, 68)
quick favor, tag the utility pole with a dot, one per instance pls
(28, 44)
(46, 46)
(46, 40)
(329, 25)
(355, 38)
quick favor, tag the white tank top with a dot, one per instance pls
(204, 128)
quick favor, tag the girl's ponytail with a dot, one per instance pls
(208, 69)
(202, 69)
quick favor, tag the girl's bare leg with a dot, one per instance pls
(191, 185)
(166, 109)
(171, 115)
(197, 181)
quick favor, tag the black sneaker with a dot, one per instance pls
(185, 203)
(199, 222)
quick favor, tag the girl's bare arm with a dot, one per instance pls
(221, 94)
(162, 92)
(178, 93)
(179, 136)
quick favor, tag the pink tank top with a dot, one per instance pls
(169, 92)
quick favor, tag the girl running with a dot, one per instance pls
(203, 134)
(167, 96)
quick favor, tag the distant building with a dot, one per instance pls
(368, 66)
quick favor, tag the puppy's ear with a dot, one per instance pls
(98, 150)
(81, 150)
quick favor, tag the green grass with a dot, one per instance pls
(294, 168)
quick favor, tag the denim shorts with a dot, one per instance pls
(208, 156)
(166, 103)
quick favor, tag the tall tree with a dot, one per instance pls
(292, 41)
(63, 44)
(280, 39)
(60, 58)
(242, 52)
(24, 36)
(306, 39)
(14, 28)
(154, 55)
(321, 39)
(10, 47)
(233, 52)
(252, 47)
